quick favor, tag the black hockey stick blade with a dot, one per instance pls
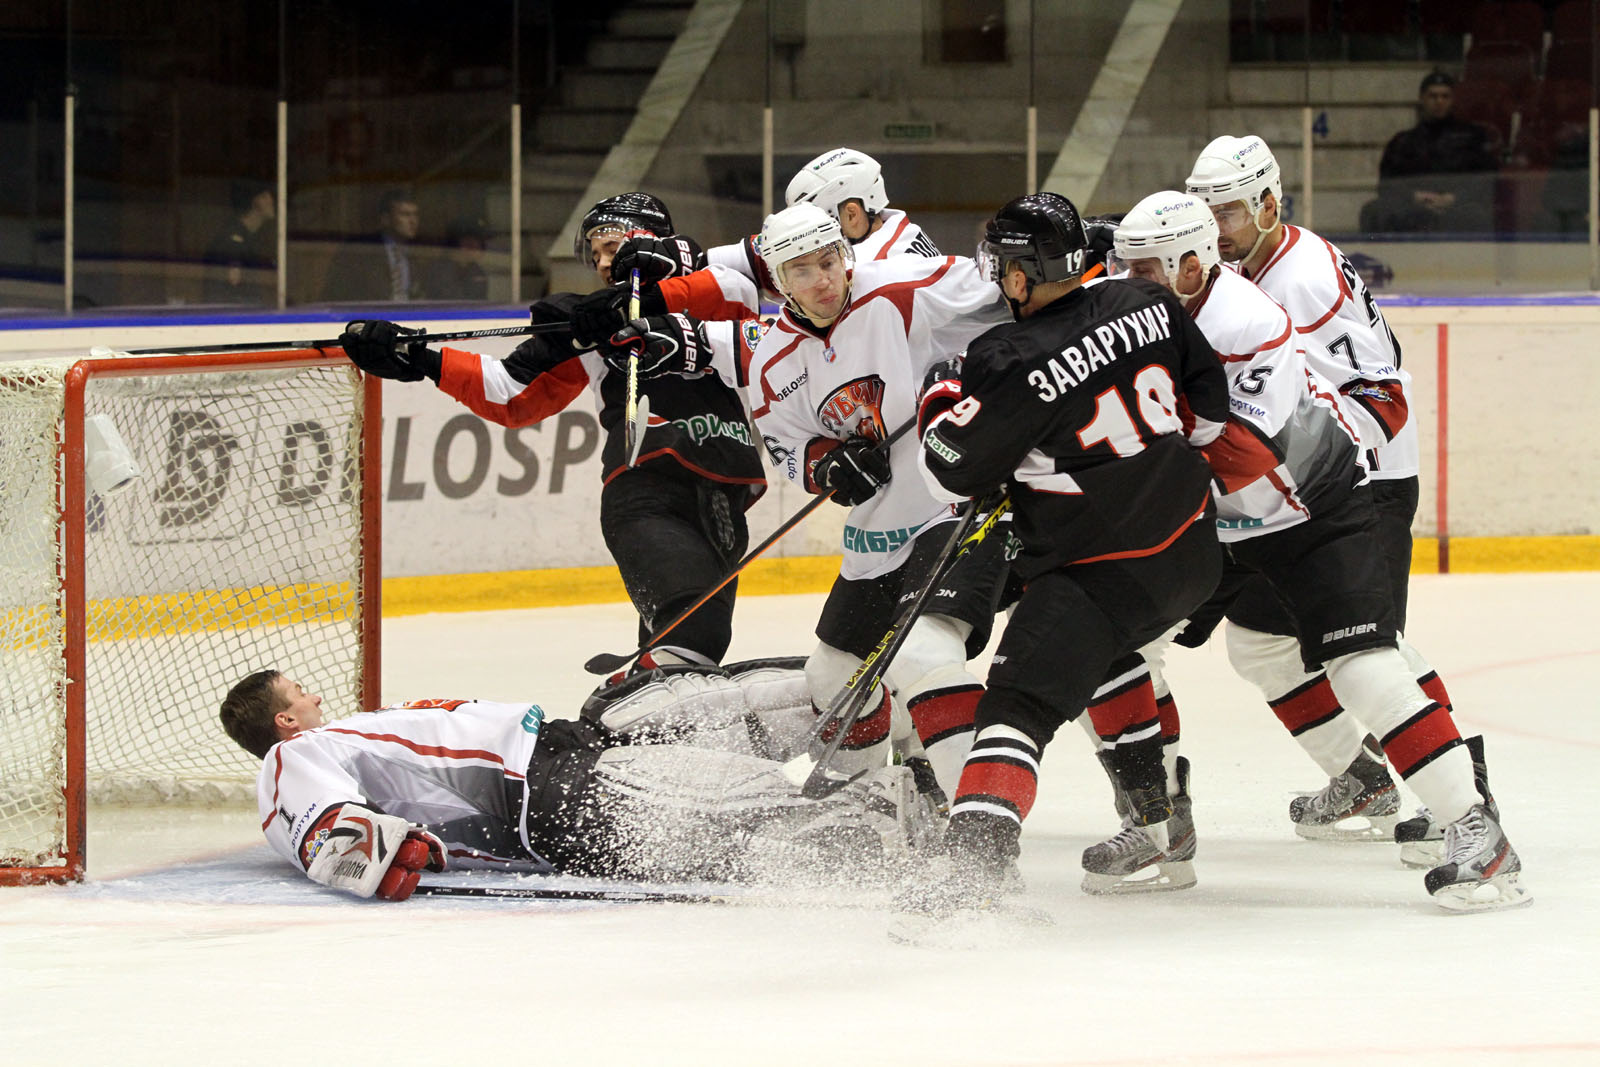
(613, 896)
(607, 662)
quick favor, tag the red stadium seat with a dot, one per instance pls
(1511, 63)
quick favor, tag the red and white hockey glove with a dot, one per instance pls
(941, 391)
(366, 853)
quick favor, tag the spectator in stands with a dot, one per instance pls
(1438, 175)
(379, 267)
(458, 274)
(240, 258)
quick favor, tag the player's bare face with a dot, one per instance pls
(303, 710)
(817, 283)
(602, 250)
(1238, 230)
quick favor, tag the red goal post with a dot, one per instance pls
(248, 537)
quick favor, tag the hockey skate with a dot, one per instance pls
(1154, 851)
(1362, 804)
(1421, 838)
(951, 895)
(1481, 871)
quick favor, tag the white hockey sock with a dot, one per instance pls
(1418, 735)
(1304, 702)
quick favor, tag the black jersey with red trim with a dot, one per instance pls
(1091, 412)
(697, 424)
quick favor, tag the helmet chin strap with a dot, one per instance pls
(1017, 305)
(1184, 298)
(1261, 235)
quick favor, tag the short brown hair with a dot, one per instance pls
(248, 711)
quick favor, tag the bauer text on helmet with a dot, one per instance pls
(1154, 238)
(808, 259)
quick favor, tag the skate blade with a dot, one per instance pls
(1422, 855)
(1166, 877)
(1353, 829)
(1502, 892)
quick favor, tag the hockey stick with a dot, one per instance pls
(606, 662)
(847, 704)
(270, 346)
(614, 896)
(633, 429)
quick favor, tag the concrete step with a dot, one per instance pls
(583, 87)
(1347, 124)
(544, 168)
(574, 128)
(1348, 83)
(629, 53)
(1335, 165)
(650, 20)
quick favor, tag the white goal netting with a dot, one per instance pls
(239, 546)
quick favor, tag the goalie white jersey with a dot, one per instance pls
(1296, 444)
(1349, 343)
(898, 236)
(455, 767)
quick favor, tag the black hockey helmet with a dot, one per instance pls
(629, 211)
(1041, 233)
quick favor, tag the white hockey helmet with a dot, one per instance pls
(797, 231)
(1236, 168)
(1168, 226)
(836, 176)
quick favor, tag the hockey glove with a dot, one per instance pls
(665, 344)
(1101, 230)
(853, 472)
(377, 347)
(602, 313)
(941, 391)
(363, 852)
(657, 258)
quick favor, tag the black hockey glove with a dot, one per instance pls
(378, 348)
(941, 391)
(657, 258)
(854, 471)
(602, 313)
(665, 344)
(1101, 230)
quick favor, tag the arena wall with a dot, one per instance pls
(1504, 392)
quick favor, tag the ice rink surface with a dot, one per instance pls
(191, 944)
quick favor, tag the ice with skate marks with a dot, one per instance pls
(937, 908)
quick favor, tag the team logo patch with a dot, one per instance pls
(856, 407)
(829, 355)
(753, 332)
(313, 845)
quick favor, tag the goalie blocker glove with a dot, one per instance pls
(656, 258)
(602, 313)
(376, 347)
(853, 471)
(664, 344)
(369, 854)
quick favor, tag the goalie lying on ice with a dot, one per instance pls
(665, 775)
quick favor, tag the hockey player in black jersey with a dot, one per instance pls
(1088, 411)
(675, 520)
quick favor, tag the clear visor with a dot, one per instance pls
(807, 270)
(990, 261)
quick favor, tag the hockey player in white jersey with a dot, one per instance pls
(836, 373)
(1286, 468)
(845, 183)
(658, 778)
(1348, 342)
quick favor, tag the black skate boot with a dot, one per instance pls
(1359, 805)
(1420, 838)
(976, 870)
(1155, 849)
(1481, 871)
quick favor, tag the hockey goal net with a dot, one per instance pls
(248, 539)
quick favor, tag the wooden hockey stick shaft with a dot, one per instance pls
(846, 706)
(606, 662)
(425, 338)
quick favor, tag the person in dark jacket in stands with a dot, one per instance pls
(1437, 176)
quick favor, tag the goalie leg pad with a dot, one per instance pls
(867, 746)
